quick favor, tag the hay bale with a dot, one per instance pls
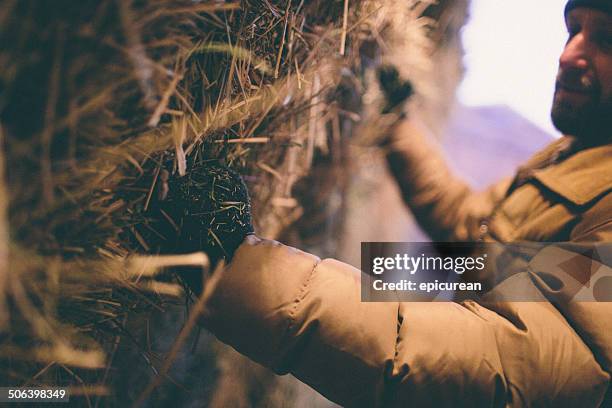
(103, 104)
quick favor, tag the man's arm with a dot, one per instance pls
(443, 204)
(294, 313)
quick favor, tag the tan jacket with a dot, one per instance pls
(298, 314)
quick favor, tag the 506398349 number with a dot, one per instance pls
(18, 394)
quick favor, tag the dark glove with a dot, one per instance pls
(395, 89)
(212, 208)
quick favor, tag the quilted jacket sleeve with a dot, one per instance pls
(444, 205)
(294, 313)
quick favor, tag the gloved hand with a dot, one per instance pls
(396, 90)
(212, 209)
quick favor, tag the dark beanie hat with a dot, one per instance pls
(602, 5)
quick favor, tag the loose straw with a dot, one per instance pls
(344, 28)
(4, 237)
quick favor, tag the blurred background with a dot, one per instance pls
(511, 49)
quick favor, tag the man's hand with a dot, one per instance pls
(396, 90)
(212, 205)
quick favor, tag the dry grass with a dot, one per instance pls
(103, 103)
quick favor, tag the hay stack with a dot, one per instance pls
(103, 102)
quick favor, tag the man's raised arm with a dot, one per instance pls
(443, 204)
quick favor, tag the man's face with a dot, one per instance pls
(582, 105)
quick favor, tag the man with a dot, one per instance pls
(295, 313)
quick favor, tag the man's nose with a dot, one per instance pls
(574, 54)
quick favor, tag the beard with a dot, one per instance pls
(589, 121)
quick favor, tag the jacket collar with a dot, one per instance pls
(580, 178)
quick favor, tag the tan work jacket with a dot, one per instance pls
(298, 314)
